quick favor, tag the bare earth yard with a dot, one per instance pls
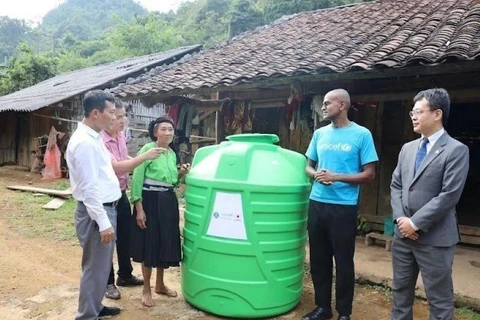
(40, 267)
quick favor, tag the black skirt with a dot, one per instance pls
(157, 246)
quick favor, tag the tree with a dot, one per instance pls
(203, 21)
(243, 17)
(26, 69)
(84, 33)
(12, 33)
(144, 36)
(88, 19)
(275, 9)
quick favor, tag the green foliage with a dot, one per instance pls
(203, 21)
(144, 36)
(26, 69)
(70, 61)
(12, 33)
(88, 19)
(467, 314)
(362, 225)
(274, 9)
(31, 220)
(243, 17)
(84, 33)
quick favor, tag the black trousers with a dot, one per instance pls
(332, 229)
(124, 225)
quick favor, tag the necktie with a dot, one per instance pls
(421, 154)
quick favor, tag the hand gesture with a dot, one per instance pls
(324, 177)
(107, 235)
(141, 219)
(184, 169)
(406, 229)
(154, 153)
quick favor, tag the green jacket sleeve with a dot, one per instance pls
(139, 177)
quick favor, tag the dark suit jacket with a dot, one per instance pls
(429, 197)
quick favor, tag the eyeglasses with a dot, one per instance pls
(417, 112)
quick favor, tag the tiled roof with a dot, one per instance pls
(70, 84)
(379, 34)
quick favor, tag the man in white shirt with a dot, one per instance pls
(97, 190)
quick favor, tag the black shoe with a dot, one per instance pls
(109, 311)
(112, 292)
(129, 282)
(318, 314)
(343, 317)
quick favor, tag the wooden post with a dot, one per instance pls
(378, 144)
(219, 127)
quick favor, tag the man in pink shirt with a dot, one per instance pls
(115, 142)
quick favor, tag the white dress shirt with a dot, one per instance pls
(433, 139)
(431, 142)
(92, 178)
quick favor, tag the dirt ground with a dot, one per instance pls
(39, 278)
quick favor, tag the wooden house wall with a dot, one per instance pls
(138, 119)
(32, 126)
(8, 147)
(391, 127)
(139, 116)
(20, 130)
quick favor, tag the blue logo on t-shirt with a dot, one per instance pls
(340, 150)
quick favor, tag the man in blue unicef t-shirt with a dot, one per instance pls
(341, 156)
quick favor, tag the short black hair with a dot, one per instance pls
(437, 98)
(96, 99)
(119, 104)
(152, 127)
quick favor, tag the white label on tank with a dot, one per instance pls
(226, 220)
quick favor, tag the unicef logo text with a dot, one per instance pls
(345, 147)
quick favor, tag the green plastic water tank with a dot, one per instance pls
(245, 228)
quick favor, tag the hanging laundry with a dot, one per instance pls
(189, 120)
(316, 107)
(228, 114)
(184, 125)
(247, 123)
(238, 111)
(173, 111)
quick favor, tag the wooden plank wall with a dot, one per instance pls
(32, 126)
(139, 117)
(396, 130)
(369, 115)
(8, 147)
(468, 234)
(297, 139)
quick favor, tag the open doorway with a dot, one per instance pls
(464, 125)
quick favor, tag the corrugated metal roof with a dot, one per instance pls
(70, 84)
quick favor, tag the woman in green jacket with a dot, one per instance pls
(156, 235)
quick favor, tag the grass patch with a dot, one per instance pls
(386, 291)
(27, 216)
(62, 185)
(467, 314)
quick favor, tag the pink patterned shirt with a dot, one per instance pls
(118, 151)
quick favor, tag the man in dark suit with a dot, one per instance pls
(426, 186)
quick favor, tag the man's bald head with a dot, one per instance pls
(340, 95)
(335, 105)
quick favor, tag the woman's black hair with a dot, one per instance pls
(151, 132)
(153, 125)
